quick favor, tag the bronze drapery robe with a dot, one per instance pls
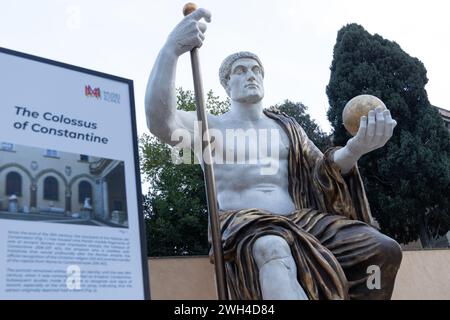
(325, 202)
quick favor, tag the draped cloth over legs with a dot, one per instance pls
(330, 233)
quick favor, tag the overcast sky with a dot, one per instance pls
(294, 40)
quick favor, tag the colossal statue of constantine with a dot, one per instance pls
(295, 223)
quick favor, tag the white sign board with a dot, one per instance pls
(71, 224)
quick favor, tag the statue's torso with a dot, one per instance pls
(260, 180)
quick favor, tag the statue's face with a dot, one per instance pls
(246, 84)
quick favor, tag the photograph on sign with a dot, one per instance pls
(34, 181)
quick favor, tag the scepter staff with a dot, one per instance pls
(219, 265)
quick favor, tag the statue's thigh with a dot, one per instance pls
(361, 250)
(359, 246)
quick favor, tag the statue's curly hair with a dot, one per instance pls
(225, 68)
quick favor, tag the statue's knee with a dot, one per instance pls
(270, 247)
(391, 251)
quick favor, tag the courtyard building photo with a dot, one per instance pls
(54, 186)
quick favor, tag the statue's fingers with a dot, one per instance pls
(371, 124)
(193, 41)
(380, 120)
(362, 128)
(200, 39)
(379, 127)
(388, 123)
(199, 14)
(202, 27)
(387, 115)
(392, 126)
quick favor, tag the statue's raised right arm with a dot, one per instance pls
(163, 118)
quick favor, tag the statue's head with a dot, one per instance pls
(242, 76)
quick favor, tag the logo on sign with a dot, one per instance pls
(111, 97)
(92, 92)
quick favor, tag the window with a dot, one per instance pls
(84, 158)
(84, 191)
(117, 205)
(13, 184)
(51, 153)
(7, 146)
(51, 189)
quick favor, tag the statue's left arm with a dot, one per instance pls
(334, 177)
(374, 131)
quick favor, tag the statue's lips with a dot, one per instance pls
(251, 85)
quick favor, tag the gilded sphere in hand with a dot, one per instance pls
(356, 108)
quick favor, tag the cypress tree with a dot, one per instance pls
(408, 180)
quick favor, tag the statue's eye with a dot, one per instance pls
(239, 70)
(256, 70)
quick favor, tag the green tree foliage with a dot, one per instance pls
(175, 206)
(408, 180)
(297, 110)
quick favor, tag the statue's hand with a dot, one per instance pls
(189, 33)
(373, 132)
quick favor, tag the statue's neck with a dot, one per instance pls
(247, 111)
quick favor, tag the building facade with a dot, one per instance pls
(51, 182)
(445, 115)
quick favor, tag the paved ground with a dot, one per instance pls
(55, 218)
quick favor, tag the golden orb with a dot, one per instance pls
(356, 108)
(189, 8)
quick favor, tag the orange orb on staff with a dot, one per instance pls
(356, 108)
(189, 8)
